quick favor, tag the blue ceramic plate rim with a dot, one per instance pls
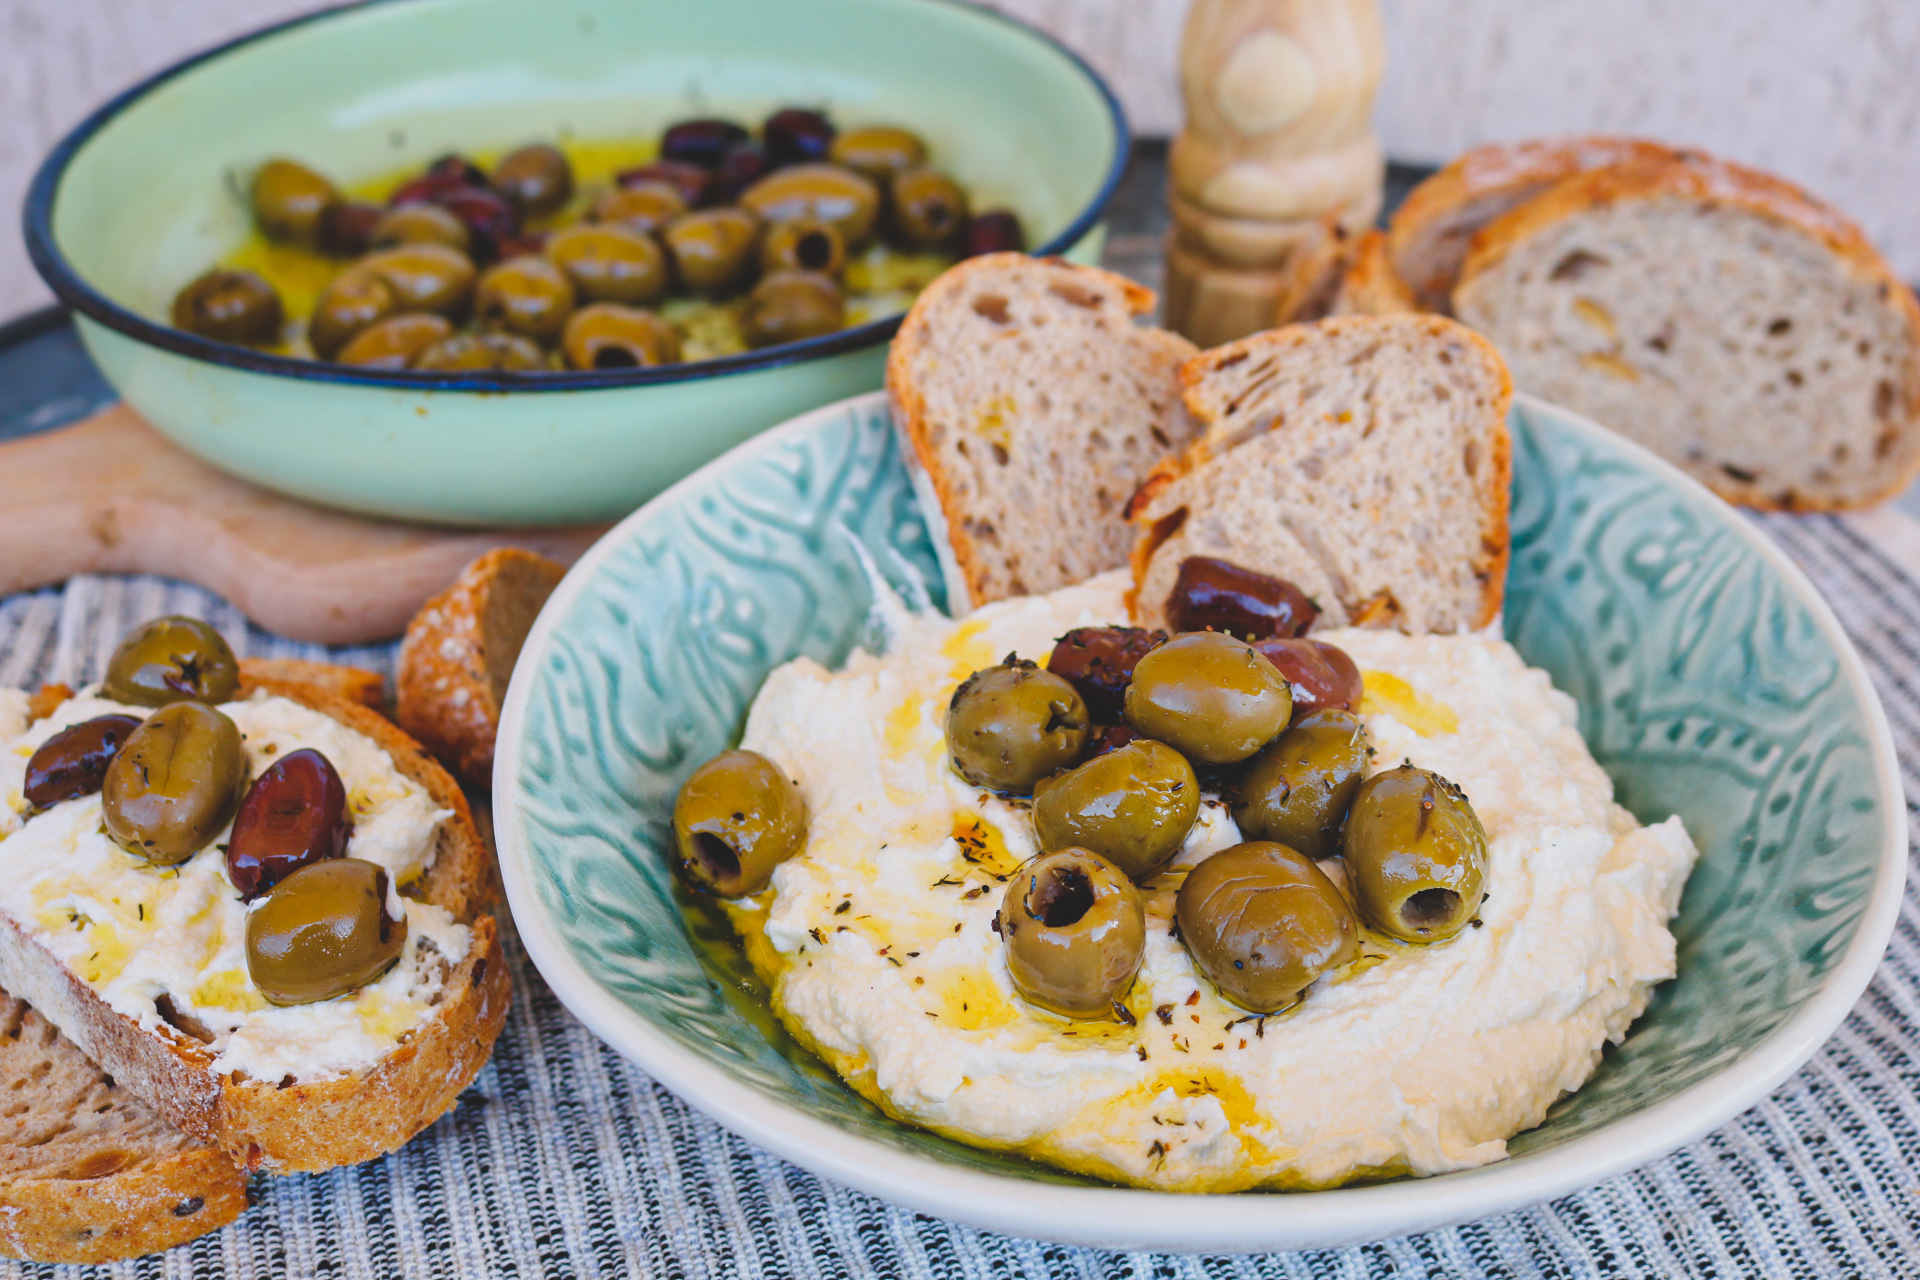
(44, 251)
(1121, 1217)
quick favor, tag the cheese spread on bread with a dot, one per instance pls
(168, 944)
(877, 939)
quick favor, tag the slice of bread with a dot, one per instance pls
(1363, 458)
(355, 684)
(1430, 233)
(1721, 317)
(87, 1173)
(459, 653)
(293, 1125)
(1033, 406)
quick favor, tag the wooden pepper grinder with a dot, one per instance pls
(1277, 169)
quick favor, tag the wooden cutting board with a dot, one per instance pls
(109, 494)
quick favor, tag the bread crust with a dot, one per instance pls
(307, 1126)
(355, 684)
(1712, 181)
(1371, 287)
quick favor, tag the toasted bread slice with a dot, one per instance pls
(355, 684)
(1429, 234)
(293, 1125)
(459, 653)
(88, 1173)
(1723, 318)
(1363, 458)
(1033, 405)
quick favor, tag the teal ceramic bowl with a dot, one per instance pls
(1713, 682)
(141, 198)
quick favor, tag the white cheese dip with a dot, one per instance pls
(139, 934)
(1415, 1059)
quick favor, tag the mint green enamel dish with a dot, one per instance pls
(143, 197)
(1712, 682)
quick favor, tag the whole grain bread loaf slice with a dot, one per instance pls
(1721, 317)
(1430, 233)
(87, 1172)
(1033, 406)
(293, 1125)
(1363, 458)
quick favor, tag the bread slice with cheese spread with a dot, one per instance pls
(1033, 405)
(1363, 458)
(291, 1124)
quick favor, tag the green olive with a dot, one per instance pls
(803, 244)
(879, 151)
(1416, 855)
(534, 179)
(395, 342)
(609, 336)
(175, 783)
(482, 352)
(1133, 806)
(289, 201)
(712, 248)
(1262, 921)
(1208, 696)
(322, 932)
(735, 820)
(355, 299)
(1298, 790)
(1074, 932)
(1010, 726)
(822, 192)
(421, 224)
(170, 659)
(526, 295)
(644, 207)
(230, 306)
(788, 306)
(928, 208)
(610, 263)
(425, 277)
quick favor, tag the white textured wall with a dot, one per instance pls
(1826, 92)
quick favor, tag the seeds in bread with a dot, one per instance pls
(87, 1173)
(1719, 316)
(1033, 406)
(1363, 458)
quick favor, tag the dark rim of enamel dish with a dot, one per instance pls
(68, 285)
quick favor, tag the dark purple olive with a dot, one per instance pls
(73, 762)
(1099, 661)
(739, 169)
(796, 136)
(1110, 738)
(295, 814)
(995, 232)
(491, 221)
(702, 142)
(690, 180)
(448, 173)
(1319, 674)
(346, 228)
(1213, 595)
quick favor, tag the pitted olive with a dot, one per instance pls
(174, 784)
(289, 201)
(73, 762)
(322, 932)
(1208, 696)
(879, 151)
(483, 353)
(421, 224)
(1099, 662)
(395, 342)
(609, 336)
(168, 659)
(928, 208)
(644, 207)
(803, 244)
(1010, 726)
(736, 819)
(1318, 674)
(534, 179)
(712, 249)
(823, 192)
(1416, 855)
(1074, 932)
(295, 813)
(1262, 921)
(608, 262)
(1133, 806)
(1297, 791)
(355, 299)
(1217, 595)
(525, 295)
(425, 277)
(788, 306)
(229, 305)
